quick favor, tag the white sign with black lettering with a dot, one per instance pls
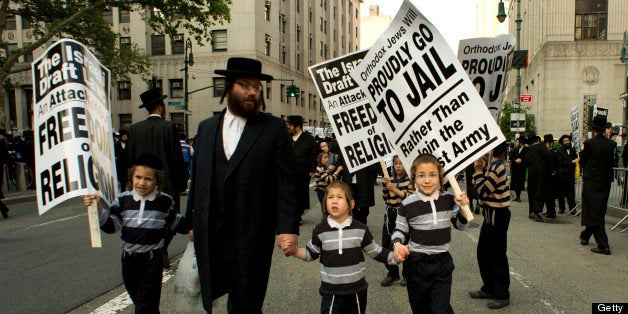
(361, 139)
(423, 97)
(74, 150)
(575, 129)
(487, 61)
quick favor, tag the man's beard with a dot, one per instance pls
(567, 146)
(239, 107)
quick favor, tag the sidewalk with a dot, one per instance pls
(19, 197)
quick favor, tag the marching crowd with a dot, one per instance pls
(249, 179)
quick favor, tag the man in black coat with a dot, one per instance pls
(567, 159)
(305, 153)
(160, 137)
(554, 183)
(538, 161)
(517, 168)
(596, 160)
(242, 193)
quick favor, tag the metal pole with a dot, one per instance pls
(186, 97)
(518, 83)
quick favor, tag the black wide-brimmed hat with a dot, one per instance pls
(295, 119)
(533, 138)
(522, 139)
(598, 122)
(564, 136)
(244, 67)
(150, 98)
(548, 138)
(149, 160)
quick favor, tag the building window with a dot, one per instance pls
(124, 16)
(269, 89)
(282, 92)
(26, 24)
(156, 83)
(219, 40)
(591, 19)
(176, 44)
(28, 57)
(126, 120)
(298, 61)
(107, 15)
(219, 86)
(310, 42)
(302, 99)
(9, 23)
(322, 49)
(124, 90)
(282, 54)
(298, 4)
(309, 101)
(267, 11)
(177, 118)
(268, 42)
(158, 45)
(176, 88)
(321, 24)
(310, 15)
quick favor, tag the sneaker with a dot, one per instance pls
(480, 295)
(388, 281)
(403, 282)
(498, 304)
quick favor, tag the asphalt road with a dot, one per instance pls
(550, 271)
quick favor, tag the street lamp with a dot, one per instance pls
(501, 17)
(188, 61)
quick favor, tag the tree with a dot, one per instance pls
(83, 21)
(504, 121)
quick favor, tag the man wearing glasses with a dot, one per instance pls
(242, 192)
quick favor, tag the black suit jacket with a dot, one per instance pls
(262, 200)
(160, 137)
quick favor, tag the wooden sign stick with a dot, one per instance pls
(384, 169)
(94, 226)
(466, 212)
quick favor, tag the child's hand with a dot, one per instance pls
(462, 199)
(400, 252)
(386, 181)
(88, 199)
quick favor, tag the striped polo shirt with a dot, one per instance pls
(493, 189)
(424, 222)
(324, 177)
(142, 220)
(404, 184)
(341, 248)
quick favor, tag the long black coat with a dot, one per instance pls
(517, 170)
(160, 137)
(262, 201)
(596, 160)
(305, 154)
(539, 163)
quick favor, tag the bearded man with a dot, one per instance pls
(242, 192)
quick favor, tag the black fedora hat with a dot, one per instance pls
(548, 138)
(533, 138)
(244, 67)
(150, 98)
(295, 119)
(598, 122)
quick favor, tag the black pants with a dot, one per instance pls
(142, 274)
(491, 251)
(387, 231)
(599, 233)
(346, 304)
(429, 283)
(360, 214)
(567, 191)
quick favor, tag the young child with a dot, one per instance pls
(424, 223)
(395, 190)
(325, 174)
(341, 242)
(143, 215)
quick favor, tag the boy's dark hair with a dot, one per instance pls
(338, 185)
(427, 159)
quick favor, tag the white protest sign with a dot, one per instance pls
(422, 96)
(73, 142)
(575, 128)
(362, 141)
(487, 61)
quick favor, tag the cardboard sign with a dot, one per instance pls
(423, 97)
(73, 143)
(487, 61)
(362, 141)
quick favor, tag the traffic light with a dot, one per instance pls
(292, 91)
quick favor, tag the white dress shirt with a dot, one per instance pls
(232, 128)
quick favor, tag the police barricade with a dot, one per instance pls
(617, 199)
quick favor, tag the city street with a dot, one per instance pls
(48, 266)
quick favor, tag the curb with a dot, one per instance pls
(21, 198)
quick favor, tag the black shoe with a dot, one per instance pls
(166, 259)
(498, 304)
(583, 241)
(551, 216)
(480, 295)
(601, 251)
(403, 282)
(562, 211)
(536, 217)
(388, 281)
(5, 212)
(518, 199)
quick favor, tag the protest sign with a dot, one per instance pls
(73, 143)
(487, 61)
(423, 98)
(575, 129)
(362, 141)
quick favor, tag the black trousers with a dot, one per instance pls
(567, 191)
(142, 274)
(599, 233)
(346, 304)
(491, 252)
(361, 214)
(429, 283)
(387, 231)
